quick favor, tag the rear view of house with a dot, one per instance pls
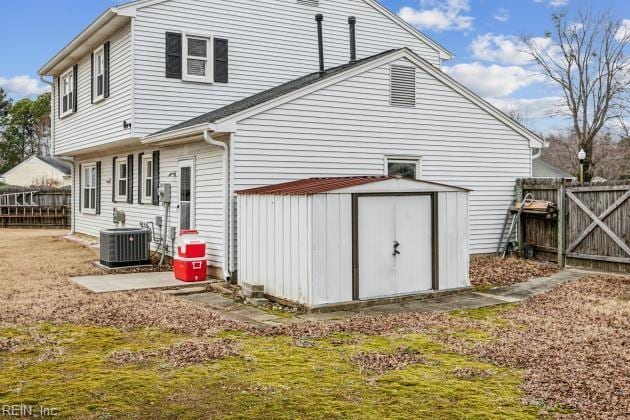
(214, 97)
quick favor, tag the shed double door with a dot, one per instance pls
(395, 254)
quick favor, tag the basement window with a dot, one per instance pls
(403, 86)
(404, 166)
(197, 58)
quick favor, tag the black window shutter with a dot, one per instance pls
(173, 55)
(156, 178)
(140, 180)
(98, 187)
(221, 60)
(75, 80)
(80, 190)
(130, 179)
(92, 78)
(114, 179)
(106, 69)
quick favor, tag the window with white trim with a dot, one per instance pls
(99, 75)
(122, 179)
(147, 179)
(404, 166)
(66, 89)
(88, 188)
(197, 58)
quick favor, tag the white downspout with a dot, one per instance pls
(226, 201)
(52, 113)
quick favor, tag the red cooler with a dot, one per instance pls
(190, 244)
(190, 269)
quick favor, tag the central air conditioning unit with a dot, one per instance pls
(125, 247)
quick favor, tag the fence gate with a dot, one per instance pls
(592, 228)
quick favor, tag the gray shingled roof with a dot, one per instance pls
(542, 169)
(273, 93)
(61, 165)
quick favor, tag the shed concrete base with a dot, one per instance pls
(132, 281)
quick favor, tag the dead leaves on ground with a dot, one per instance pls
(495, 271)
(379, 363)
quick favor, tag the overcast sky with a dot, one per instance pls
(483, 35)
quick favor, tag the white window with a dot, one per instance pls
(197, 58)
(99, 75)
(147, 179)
(404, 166)
(122, 178)
(88, 188)
(66, 90)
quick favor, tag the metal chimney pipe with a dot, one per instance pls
(320, 41)
(352, 21)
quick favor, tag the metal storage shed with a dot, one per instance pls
(329, 241)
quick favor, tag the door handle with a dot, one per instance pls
(396, 251)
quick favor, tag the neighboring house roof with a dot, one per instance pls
(328, 184)
(291, 90)
(542, 169)
(114, 17)
(61, 165)
(58, 164)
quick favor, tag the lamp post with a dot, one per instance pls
(582, 157)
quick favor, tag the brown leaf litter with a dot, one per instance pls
(495, 271)
(181, 354)
(379, 362)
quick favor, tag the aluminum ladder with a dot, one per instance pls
(504, 241)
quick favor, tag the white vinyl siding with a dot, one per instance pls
(271, 42)
(209, 183)
(35, 172)
(349, 128)
(101, 123)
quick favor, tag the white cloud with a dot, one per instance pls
(502, 15)
(534, 108)
(554, 3)
(623, 31)
(505, 49)
(439, 15)
(493, 80)
(20, 86)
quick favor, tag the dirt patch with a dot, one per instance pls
(573, 344)
(180, 355)
(471, 373)
(40, 291)
(495, 271)
(378, 362)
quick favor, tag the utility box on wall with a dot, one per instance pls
(331, 241)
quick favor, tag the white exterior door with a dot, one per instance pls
(186, 194)
(394, 245)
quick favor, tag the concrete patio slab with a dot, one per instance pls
(132, 281)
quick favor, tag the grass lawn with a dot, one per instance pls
(150, 355)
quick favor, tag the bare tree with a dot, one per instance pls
(587, 60)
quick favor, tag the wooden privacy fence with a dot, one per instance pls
(590, 229)
(37, 207)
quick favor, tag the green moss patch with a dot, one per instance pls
(270, 377)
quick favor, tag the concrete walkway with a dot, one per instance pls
(469, 299)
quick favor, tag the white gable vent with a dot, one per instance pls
(313, 3)
(403, 86)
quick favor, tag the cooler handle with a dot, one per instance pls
(197, 265)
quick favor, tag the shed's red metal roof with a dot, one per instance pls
(313, 185)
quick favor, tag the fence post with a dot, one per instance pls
(519, 226)
(561, 225)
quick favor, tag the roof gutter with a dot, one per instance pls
(227, 206)
(178, 134)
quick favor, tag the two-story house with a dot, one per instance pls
(216, 96)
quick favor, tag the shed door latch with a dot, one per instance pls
(396, 251)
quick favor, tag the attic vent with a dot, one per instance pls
(403, 86)
(313, 3)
